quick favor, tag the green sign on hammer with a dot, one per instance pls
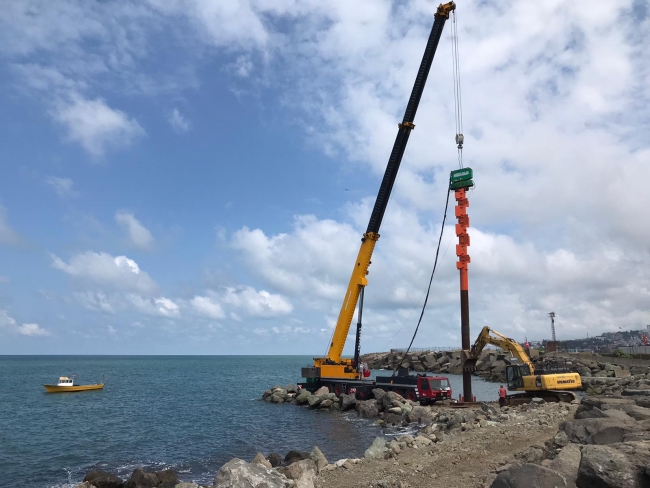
(461, 178)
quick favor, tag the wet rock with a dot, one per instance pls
(348, 402)
(275, 459)
(377, 450)
(367, 408)
(143, 479)
(102, 479)
(315, 400)
(168, 478)
(323, 390)
(303, 396)
(260, 459)
(295, 456)
(318, 457)
(85, 484)
(238, 473)
(326, 403)
(276, 398)
(530, 476)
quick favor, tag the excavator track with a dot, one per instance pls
(546, 395)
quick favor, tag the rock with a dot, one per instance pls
(167, 478)
(538, 401)
(424, 441)
(621, 373)
(238, 474)
(142, 479)
(260, 459)
(489, 409)
(378, 394)
(396, 410)
(291, 388)
(620, 466)
(597, 431)
(421, 415)
(85, 484)
(567, 462)
(367, 408)
(394, 446)
(632, 392)
(348, 402)
(186, 485)
(275, 459)
(323, 390)
(532, 454)
(327, 403)
(318, 457)
(303, 473)
(303, 396)
(377, 450)
(295, 456)
(391, 418)
(314, 400)
(530, 476)
(392, 399)
(102, 479)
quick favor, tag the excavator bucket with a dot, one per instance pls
(469, 363)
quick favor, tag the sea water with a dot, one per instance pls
(188, 413)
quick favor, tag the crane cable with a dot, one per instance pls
(458, 105)
(426, 298)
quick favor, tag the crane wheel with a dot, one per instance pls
(338, 390)
(411, 396)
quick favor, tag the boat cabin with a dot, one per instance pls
(65, 381)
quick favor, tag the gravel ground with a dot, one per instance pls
(459, 458)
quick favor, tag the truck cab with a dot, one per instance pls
(434, 388)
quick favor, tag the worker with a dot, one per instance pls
(502, 396)
(527, 347)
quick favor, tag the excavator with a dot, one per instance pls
(333, 370)
(523, 377)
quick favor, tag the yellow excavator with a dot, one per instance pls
(547, 383)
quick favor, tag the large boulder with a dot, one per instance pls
(303, 396)
(530, 476)
(367, 408)
(143, 479)
(597, 431)
(315, 400)
(318, 457)
(239, 474)
(378, 394)
(302, 472)
(275, 459)
(377, 450)
(392, 399)
(295, 456)
(566, 463)
(618, 465)
(323, 390)
(421, 415)
(102, 479)
(348, 402)
(260, 459)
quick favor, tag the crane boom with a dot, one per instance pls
(333, 365)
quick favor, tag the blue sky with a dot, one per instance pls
(194, 177)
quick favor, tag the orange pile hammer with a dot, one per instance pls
(463, 260)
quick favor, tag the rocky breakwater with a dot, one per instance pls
(296, 470)
(606, 445)
(492, 364)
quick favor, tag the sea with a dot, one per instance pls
(188, 413)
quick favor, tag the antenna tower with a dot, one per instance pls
(552, 315)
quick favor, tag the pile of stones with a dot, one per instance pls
(607, 444)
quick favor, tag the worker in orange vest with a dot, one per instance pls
(527, 347)
(502, 396)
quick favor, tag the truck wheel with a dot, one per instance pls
(338, 390)
(410, 395)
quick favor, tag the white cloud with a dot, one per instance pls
(207, 307)
(178, 122)
(95, 125)
(62, 186)
(139, 235)
(9, 323)
(245, 299)
(160, 306)
(32, 330)
(118, 272)
(98, 301)
(8, 236)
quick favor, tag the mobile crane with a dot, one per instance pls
(333, 370)
(523, 377)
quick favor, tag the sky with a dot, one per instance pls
(194, 177)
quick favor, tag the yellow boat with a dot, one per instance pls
(66, 384)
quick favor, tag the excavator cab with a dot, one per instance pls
(515, 375)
